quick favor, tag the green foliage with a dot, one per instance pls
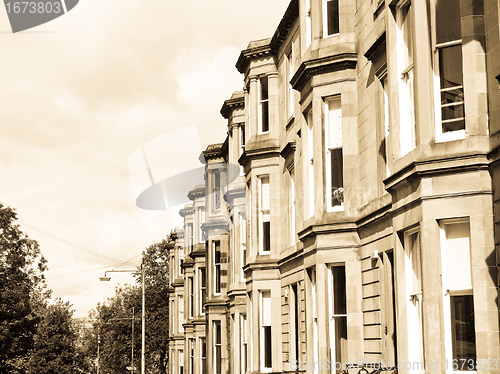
(112, 323)
(55, 348)
(22, 291)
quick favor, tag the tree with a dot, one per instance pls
(55, 343)
(156, 265)
(22, 291)
(110, 320)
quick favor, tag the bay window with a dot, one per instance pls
(217, 347)
(460, 333)
(265, 331)
(330, 17)
(264, 215)
(405, 16)
(450, 109)
(217, 268)
(333, 153)
(263, 105)
(338, 316)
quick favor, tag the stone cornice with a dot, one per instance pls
(198, 250)
(213, 151)
(275, 43)
(230, 195)
(268, 152)
(186, 211)
(196, 192)
(377, 49)
(236, 101)
(251, 53)
(286, 23)
(434, 167)
(288, 150)
(323, 65)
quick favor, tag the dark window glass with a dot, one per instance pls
(463, 330)
(217, 267)
(266, 226)
(264, 104)
(218, 347)
(337, 174)
(203, 286)
(452, 92)
(203, 356)
(447, 21)
(264, 90)
(242, 135)
(339, 300)
(332, 8)
(216, 176)
(340, 313)
(267, 347)
(296, 321)
(265, 116)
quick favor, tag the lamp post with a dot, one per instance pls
(107, 279)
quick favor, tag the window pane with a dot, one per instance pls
(339, 290)
(266, 228)
(447, 21)
(264, 92)
(464, 337)
(267, 347)
(265, 194)
(452, 93)
(408, 33)
(333, 16)
(341, 340)
(458, 265)
(265, 116)
(337, 174)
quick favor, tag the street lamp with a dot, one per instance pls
(107, 279)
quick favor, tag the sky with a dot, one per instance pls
(82, 93)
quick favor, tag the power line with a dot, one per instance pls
(76, 246)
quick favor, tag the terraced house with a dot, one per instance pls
(350, 216)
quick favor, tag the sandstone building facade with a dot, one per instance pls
(351, 213)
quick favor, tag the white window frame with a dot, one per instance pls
(243, 244)
(243, 343)
(217, 345)
(216, 189)
(191, 345)
(309, 162)
(180, 306)
(440, 135)
(448, 292)
(264, 214)
(261, 103)
(290, 104)
(308, 23)
(333, 317)
(217, 265)
(191, 297)
(406, 81)
(202, 271)
(325, 18)
(202, 221)
(413, 299)
(338, 143)
(181, 361)
(203, 358)
(262, 325)
(292, 218)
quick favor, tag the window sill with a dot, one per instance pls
(450, 136)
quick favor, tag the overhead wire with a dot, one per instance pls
(76, 246)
